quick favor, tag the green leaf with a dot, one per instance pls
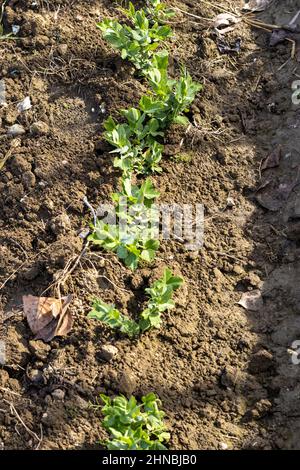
(133, 425)
(181, 120)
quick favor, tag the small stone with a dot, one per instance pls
(2, 354)
(223, 446)
(260, 409)
(35, 375)
(126, 383)
(28, 179)
(211, 393)
(39, 128)
(108, 352)
(3, 377)
(230, 202)
(24, 105)
(81, 403)
(58, 394)
(60, 224)
(15, 130)
(62, 49)
(229, 377)
(261, 361)
(48, 400)
(39, 349)
(238, 270)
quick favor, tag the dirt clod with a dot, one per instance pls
(108, 352)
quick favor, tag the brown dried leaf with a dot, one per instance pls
(225, 22)
(48, 317)
(257, 5)
(273, 159)
(273, 193)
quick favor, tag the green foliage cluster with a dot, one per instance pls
(137, 139)
(134, 426)
(132, 237)
(160, 299)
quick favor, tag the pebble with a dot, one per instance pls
(230, 202)
(28, 179)
(238, 269)
(81, 403)
(24, 105)
(39, 128)
(126, 383)
(62, 49)
(223, 446)
(60, 224)
(108, 352)
(15, 130)
(4, 377)
(35, 375)
(58, 394)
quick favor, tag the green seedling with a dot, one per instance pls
(109, 315)
(132, 236)
(169, 98)
(159, 12)
(135, 142)
(138, 42)
(134, 426)
(160, 300)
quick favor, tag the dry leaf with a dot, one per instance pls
(48, 317)
(274, 191)
(257, 5)
(273, 159)
(252, 300)
(225, 22)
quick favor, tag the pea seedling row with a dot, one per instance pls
(137, 142)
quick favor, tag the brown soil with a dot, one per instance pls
(224, 374)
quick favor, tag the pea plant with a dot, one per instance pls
(134, 426)
(160, 299)
(138, 42)
(135, 143)
(168, 99)
(138, 141)
(158, 11)
(131, 237)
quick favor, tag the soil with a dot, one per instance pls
(224, 374)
